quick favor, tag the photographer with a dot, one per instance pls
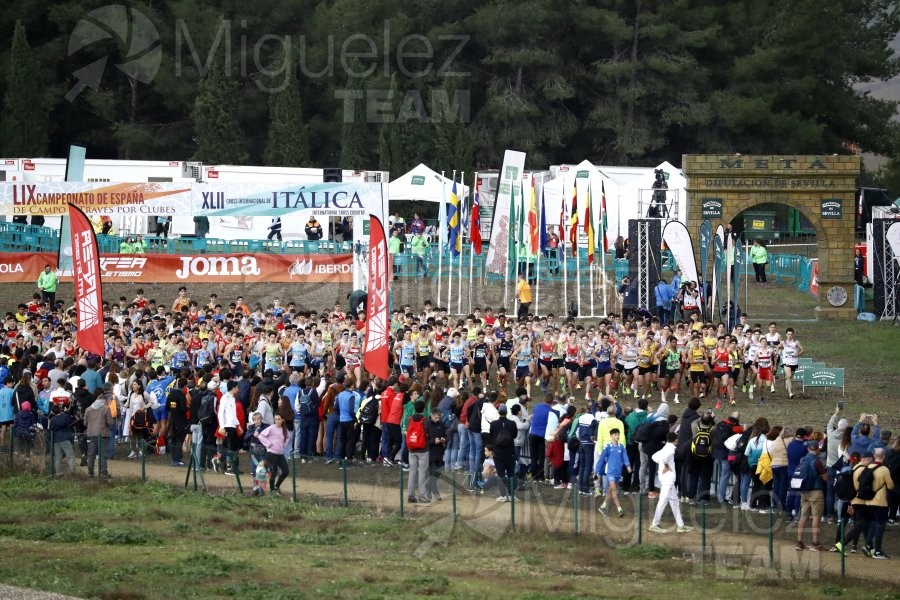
(628, 295)
(658, 209)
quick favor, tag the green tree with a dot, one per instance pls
(218, 134)
(288, 143)
(355, 142)
(25, 121)
(452, 138)
(390, 136)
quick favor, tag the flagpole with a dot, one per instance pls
(590, 216)
(577, 256)
(450, 258)
(537, 267)
(515, 257)
(463, 200)
(746, 273)
(565, 259)
(729, 249)
(442, 218)
(471, 246)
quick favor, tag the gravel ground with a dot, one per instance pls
(8, 592)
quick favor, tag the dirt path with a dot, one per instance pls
(733, 551)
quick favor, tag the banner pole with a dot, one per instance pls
(471, 247)
(729, 249)
(603, 280)
(565, 259)
(442, 217)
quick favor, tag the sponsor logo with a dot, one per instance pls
(231, 266)
(831, 208)
(11, 268)
(122, 266)
(712, 207)
(87, 282)
(301, 268)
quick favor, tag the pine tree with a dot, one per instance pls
(218, 134)
(355, 141)
(390, 136)
(452, 137)
(288, 142)
(24, 122)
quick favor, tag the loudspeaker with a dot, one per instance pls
(331, 175)
(644, 257)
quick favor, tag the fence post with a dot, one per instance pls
(143, 460)
(453, 493)
(344, 473)
(771, 538)
(640, 519)
(401, 491)
(843, 545)
(703, 527)
(512, 501)
(12, 438)
(52, 455)
(293, 477)
(187, 475)
(577, 494)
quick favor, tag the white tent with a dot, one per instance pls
(560, 189)
(424, 184)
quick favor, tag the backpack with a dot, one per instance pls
(368, 412)
(573, 443)
(865, 489)
(304, 402)
(701, 445)
(643, 432)
(475, 416)
(804, 477)
(207, 408)
(415, 435)
(736, 457)
(503, 439)
(139, 422)
(843, 485)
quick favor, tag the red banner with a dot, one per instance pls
(376, 353)
(20, 267)
(86, 272)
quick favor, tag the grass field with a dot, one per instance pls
(135, 541)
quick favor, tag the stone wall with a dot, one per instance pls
(721, 187)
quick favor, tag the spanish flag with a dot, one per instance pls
(534, 236)
(573, 221)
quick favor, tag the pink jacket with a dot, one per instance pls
(273, 439)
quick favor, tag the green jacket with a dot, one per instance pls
(125, 248)
(394, 245)
(634, 420)
(419, 245)
(759, 255)
(47, 281)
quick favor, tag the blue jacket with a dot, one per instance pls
(539, 419)
(612, 460)
(63, 427)
(663, 294)
(346, 402)
(861, 443)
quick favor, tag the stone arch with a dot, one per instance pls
(823, 188)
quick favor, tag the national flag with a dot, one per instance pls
(545, 236)
(534, 237)
(86, 273)
(573, 222)
(475, 228)
(603, 225)
(521, 237)
(589, 227)
(453, 219)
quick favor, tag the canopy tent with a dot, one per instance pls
(423, 184)
(560, 189)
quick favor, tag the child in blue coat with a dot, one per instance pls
(613, 459)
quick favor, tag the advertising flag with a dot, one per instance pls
(475, 228)
(705, 243)
(453, 220)
(498, 259)
(573, 223)
(86, 272)
(678, 240)
(534, 235)
(376, 352)
(589, 227)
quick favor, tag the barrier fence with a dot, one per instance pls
(764, 537)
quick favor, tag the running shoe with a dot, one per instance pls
(658, 529)
(684, 529)
(880, 555)
(718, 405)
(801, 546)
(744, 388)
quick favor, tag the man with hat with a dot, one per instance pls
(812, 498)
(503, 434)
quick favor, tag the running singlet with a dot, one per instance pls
(697, 359)
(629, 356)
(571, 353)
(523, 357)
(645, 357)
(506, 348)
(789, 353)
(407, 354)
(298, 354)
(457, 353)
(424, 347)
(603, 355)
(547, 350)
(764, 358)
(673, 360)
(720, 361)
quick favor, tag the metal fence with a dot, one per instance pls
(763, 538)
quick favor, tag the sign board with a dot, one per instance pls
(712, 208)
(831, 208)
(801, 367)
(418, 180)
(582, 174)
(823, 377)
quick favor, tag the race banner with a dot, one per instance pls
(197, 268)
(498, 249)
(377, 324)
(678, 240)
(893, 238)
(86, 271)
(53, 198)
(717, 271)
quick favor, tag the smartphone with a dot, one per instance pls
(840, 405)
